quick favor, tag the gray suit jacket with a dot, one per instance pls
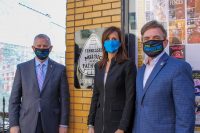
(26, 98)
(166, 103)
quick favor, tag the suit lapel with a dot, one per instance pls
(111, 71)
(140, 78)
(101, 75)
(160, 64)
(50, 68)
(34, 75)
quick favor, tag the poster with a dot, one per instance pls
(156, 10)
(193, 31)
(88, 51)
(177, 51)
(177, 32)
(160, 10)
(193, 9)
(149, 16)
(193, 21)
(176, 9)
(196, 78)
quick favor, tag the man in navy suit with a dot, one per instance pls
(165, 90)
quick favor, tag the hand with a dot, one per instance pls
(14, 129)
(91, 130)
(119, 131)
(62, 129)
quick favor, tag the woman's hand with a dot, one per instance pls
(119, 131)
(91, 130)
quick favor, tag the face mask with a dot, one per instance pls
(153, 47)
(111, 46)
(42, 53)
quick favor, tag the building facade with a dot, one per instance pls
(181, 18)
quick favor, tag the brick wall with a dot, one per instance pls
(85, 14)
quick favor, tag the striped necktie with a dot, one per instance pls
(40, 76)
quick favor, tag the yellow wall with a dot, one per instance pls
(140, 8)
(85, 14)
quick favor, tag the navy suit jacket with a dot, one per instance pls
(166, 103)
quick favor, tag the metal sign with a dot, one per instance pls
(90, 54)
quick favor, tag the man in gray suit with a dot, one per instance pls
(39, 101)
(165, 91)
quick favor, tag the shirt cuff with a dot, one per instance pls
(65, 126)
(90, 126)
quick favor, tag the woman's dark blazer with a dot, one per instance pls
(112, 105)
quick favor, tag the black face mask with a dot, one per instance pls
(153, 47)
(42, 54)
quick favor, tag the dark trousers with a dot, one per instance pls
(39, 128)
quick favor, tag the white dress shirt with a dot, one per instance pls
(150, 66)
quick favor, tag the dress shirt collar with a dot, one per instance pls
(37, 62)
(154, 61)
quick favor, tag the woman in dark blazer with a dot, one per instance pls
(112, 105)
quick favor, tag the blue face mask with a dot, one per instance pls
(153, 48)
(42, 54)
(111, 46)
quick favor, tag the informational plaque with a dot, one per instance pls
(88, 51)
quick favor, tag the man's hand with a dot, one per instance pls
(14, 129)
(119, 131)
(62, 129)
(91, 130)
